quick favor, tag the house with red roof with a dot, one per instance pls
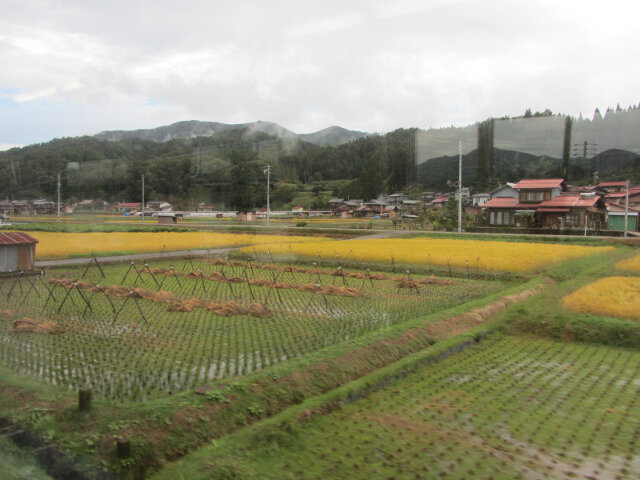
(546, 201)
(512, 201)
(612, 187)
(128, 207)
(572, 211)
(539, 190)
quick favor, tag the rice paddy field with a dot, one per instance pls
(513, 407)
(66, 245)
(617, 297)
(475, 254)
(305, 358)
(631, 265)
(150, 329)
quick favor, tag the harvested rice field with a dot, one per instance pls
(144, 330)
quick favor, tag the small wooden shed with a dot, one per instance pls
(17, 251)
(246, 215)
(167, 218)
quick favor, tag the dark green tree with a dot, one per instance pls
(566, 148)
(247, 181)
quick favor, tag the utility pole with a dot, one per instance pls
(142, 204)
(58, 190)
(460, 187)
(588, 148)
(626, 209)
(267, 170)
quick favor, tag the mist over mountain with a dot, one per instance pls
(334, 135)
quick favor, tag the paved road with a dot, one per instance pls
(133, 257)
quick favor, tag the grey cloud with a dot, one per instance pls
(373, 66)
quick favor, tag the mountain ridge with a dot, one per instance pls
(333, 135)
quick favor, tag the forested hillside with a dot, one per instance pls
(225, 168)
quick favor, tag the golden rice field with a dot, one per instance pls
(483, 255)
(610, 297)
(61, 245)
(630, 265)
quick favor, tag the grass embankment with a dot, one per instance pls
(15, 464)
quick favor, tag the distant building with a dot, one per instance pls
(204, 208)
(167, 218)
(44, 207)
(479, 199)
(159, 206)
(129, 207)
(246, 215)
(612, 187)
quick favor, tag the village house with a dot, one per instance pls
(204, 208)
(572, 211)
(505, 191)
(439, 202)
(21, 207)
(334, 204)
(44, 207)
(85, 205)
(511, 201)
(612, 187)
(159, 206)
(413, 206)
(5, 207)
(128, 208)
(544, 200)
(395, 199)
(634, 196)
(479, 199)
(345, 208)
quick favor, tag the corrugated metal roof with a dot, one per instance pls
(502, 202)
(539, 183)
(16, 238)
(509, 202)
(570, 201)
(612, 184)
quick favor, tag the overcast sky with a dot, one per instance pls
(70, 67)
